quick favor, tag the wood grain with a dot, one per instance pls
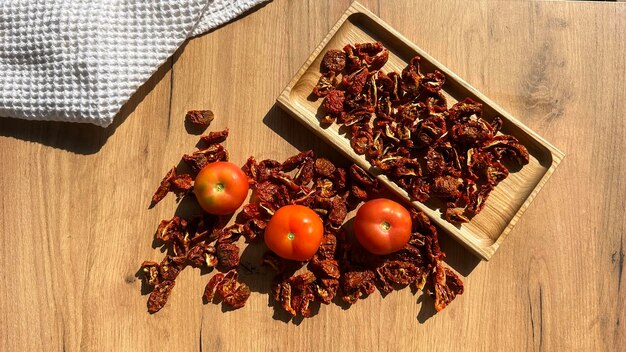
(75, 226)
(506, 204)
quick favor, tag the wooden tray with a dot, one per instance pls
(484, 234)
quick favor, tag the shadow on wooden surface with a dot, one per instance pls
(80, 138)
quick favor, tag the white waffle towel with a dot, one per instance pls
(81, 60)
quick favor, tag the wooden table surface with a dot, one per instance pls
(75, 223)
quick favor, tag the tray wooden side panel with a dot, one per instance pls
(484, 234)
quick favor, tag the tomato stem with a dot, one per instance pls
(385, 225)
(219, 187)
(291, 236)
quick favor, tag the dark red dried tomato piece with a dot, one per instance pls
(164, 187)
(150, 271)
(251, 169)
(326, 289)
(355, 82)
(508, 146)
(333, 61)
(333, 102)
(158, 298)
(399, 272)
(296, 160)
(170, 267)
(324, 167)
(447, 186)
(466, 108)
(211, 286)
(305, 173)
(433, 81)
(357, 284)
(170, 229)
(338, 211)
(328, 268)
(471, 132)
(327, 247)
(238, 298)
(228, 255)
(327, 82)
(215, 137)
(200, 118)
(201, 158)
(200, 255)
(250, 211)
(496, 172)
(447, 287)
(353, 62)
(181, 183)
(455, 215)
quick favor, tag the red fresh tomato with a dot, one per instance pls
(221, 188)
(382, 226)
(294, 232)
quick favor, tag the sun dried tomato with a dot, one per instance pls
(355, 82)
(333, 61)
(172, 182)
(211, 287)
(472, 132)
(352, 61)
(200, 118)
(169, 229)
(447, 186)
(325, 84)
(150, 271)
(251, 169)
(326, 289)
(338, 211)
(215, 137)
(238, 298)
(327, 267)
(496, 172)
(374, 54)
(399, 272)
(228, 255)
(296, 160)
(305, 173)
(201, 158)
(508, 146)
(327, 247)
(333, 102)
(447, 287)
(323, 167)
(201, 254)
(357, 284)
(433, 81)
(455, 215)
(169, 268)
(361, 142)
(158, 298)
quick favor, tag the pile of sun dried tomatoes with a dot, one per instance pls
(402, 124)
(340, 268)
